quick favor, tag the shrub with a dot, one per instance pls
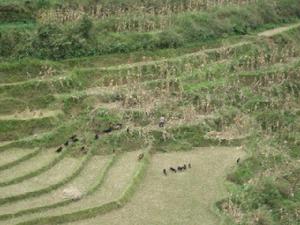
(15, 13)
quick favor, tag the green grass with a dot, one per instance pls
(15, 156)
(13, 128)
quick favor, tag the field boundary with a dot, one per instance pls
(36, 172)
(49, 188)
(98, 184)
(104, 208)
(20, 160)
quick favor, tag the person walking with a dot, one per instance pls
(162, 121)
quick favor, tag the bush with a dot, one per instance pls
(169, 39)
(15, 13)
(51, 41)
(84, 27)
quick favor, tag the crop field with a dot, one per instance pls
(133, 112)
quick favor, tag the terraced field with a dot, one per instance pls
(81, 144)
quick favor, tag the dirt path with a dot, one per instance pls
(28, 115)
(270, 33)
(181, 198)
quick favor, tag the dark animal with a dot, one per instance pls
(108, 130)
(238, 160)
(75, 140)
(59, 149)
(190, 166)
(141, 156)
(165, 172)
(82, 148)
(128, 131)
(184, 167)
(96, 136)
(73, 137)
(179, 168)
(66, 143)
(173, 170)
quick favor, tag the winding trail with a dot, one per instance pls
(278, 30)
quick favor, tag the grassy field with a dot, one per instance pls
(84, 85)
(88, 178)
(181, 198)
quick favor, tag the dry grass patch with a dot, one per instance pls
(30, 166)
(12, 155)
(54, 175)
(181, 198)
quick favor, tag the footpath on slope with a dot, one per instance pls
(275, 31)
(26, 115)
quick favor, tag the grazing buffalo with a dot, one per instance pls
(108, 130)
(59, 149)
(173, 170)
(238, 160)
(73, 137)
(66, 143)
(96, 136)
(190, 166)
(165, 172)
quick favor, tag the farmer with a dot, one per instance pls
(162, 121)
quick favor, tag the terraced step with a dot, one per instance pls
(103, 75)
(182, 198)
(225, 49)
(45, 159)
(15, 156)
(63, 172)
(50, 138)
(16, 128)
(87, 181)
(8, 144)
(29, 115)
(117, 181)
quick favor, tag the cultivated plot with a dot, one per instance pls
(178, 198)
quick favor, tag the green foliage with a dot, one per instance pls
(15, 13)
(245, 171)
(81, 39)
(52, 42)
(84, 27)
(103, 119)
(14, 129)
